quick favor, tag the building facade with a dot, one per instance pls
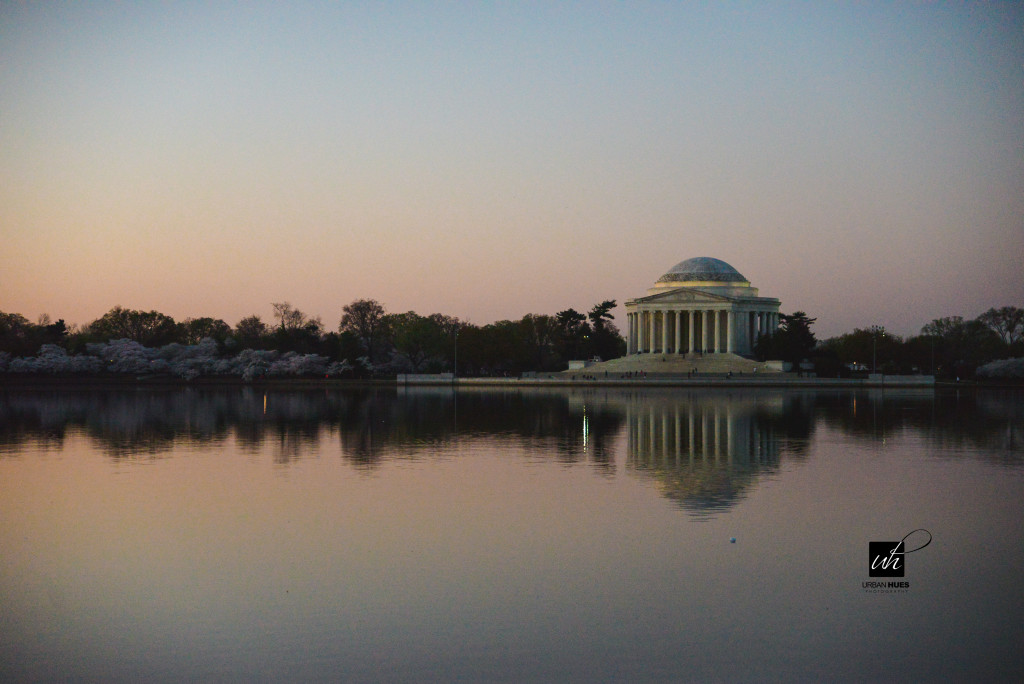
(701, 305)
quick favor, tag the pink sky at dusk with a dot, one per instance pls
(863, 163)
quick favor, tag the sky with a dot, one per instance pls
(862, 162)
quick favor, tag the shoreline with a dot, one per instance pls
(706, 380)
(779, 380)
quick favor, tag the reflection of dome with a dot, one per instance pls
(703, 270)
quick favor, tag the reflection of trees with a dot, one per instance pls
(990, 420)
(134, 422)
(125, 423)
(372, 423)
(705, 449)
(569, 426)
(752, 429)
(413, 423)
(876, 414)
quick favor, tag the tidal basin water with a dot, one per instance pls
(563, 535)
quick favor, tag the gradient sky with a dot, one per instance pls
(862, 162)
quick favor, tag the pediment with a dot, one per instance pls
(684, 296)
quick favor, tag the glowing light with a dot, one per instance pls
(586, 428)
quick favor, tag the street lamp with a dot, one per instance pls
(875, 332)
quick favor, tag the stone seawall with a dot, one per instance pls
(672, 380)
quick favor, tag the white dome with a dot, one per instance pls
(702, 270)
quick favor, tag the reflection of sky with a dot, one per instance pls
(431, 156)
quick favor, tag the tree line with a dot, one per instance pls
(368, 341)
(949, 347)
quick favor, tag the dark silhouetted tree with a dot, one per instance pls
(148, 328)
(196, 329)
(1007, 322)
(16, 335)
(417, 339)
(573, 334)
(961, 346)
(296, 331)
(250, 332)
(538, 332)
(792, 342)
(289, 318)
(367, 319)
(605, 340)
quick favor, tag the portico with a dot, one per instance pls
(702, 305)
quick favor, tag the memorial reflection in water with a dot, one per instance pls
(703, 446)
(704, 449)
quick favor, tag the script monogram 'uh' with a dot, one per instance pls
(886, 558)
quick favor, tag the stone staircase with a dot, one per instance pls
(676, 364)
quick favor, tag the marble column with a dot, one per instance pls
(729, 315)
(641, 330)
(679, 330)
(716, 315)
(706, 332)
(691, 316)
(650, 332)
(629, 334)
(664, 331)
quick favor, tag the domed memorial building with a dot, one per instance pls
(701, 305)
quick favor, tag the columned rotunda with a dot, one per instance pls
(701, 305)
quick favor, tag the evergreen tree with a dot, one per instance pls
(792, 342)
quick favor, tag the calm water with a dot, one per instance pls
(572, 535)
